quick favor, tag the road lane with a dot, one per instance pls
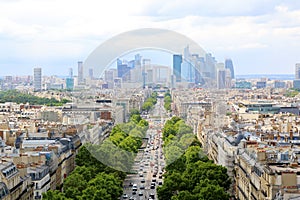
(149, 160)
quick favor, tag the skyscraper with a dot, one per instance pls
(228, 78)
(137, 59)
(229, 65)
(80, 72)
(221, 78)
(177, 60)
(297, 71)
(70, 83)
(123, 70)
(188, 65)
(109, 75)
(185, 65)
(91, 73)
(37, 79)
(71, 72)
(210, 69)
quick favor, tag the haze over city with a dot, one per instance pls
(260, 36)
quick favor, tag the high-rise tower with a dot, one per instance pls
(37, 79)
(70, 72)
(229, 65)
(123, 70)
(221, 78)
(91, 73)
(177, 60)
(297, 71)
(80, 72)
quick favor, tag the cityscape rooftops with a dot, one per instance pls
(38, 172)
(8, 169)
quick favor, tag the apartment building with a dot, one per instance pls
(13, 186)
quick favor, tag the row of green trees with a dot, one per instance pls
(177, 137)
(150, 102)
(18, 97)
(190, 175)
(167, 101)
(100, 169)
(91, 179)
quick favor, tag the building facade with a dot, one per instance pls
(37, 79)
(229, 65)
(177, 60)
(297, 71)
(221, 79)
(80, 72)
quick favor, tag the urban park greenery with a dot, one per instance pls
(19, 97)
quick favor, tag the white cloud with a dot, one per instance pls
(50, 28)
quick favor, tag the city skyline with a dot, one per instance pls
(31, 36)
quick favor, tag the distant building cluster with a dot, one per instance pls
(188, 70)
(204, 71)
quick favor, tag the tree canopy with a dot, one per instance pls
(19, 97)
(150, 102)
(191, 175)
(167, 101)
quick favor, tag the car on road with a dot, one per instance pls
(152, 196)
(125, 196)
(141, 193)
(134, 187)
(143, 180)
(152, 186)
(131, 198)
(142, 187)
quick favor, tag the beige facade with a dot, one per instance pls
(11, 177)
(256, 180)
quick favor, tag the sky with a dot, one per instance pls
(260, 36)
